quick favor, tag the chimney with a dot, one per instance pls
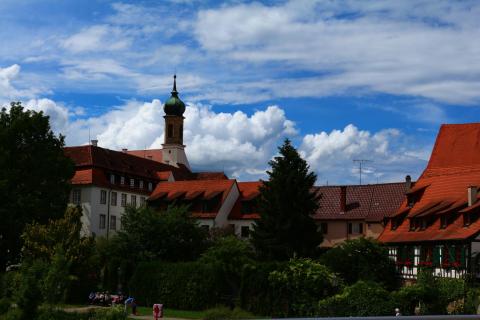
(472, 192)
(124, 150)
(408, 183)
(343, 199)
(94, 143)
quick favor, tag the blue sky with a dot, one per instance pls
(344, 80)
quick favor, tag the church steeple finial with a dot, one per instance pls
(174, 106)
(174, 91)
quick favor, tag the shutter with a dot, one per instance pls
(451, 253)
(436, 256)
(463, 257)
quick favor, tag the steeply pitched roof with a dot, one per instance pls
(151, 154)
(248, 191)
(453, 167)
(371, 202)
(88, 157)
(192, 189)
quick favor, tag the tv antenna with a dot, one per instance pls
(361, 162)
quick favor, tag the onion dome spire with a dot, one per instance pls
(174, 106)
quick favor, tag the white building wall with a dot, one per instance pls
(221, 220)
(92, 208)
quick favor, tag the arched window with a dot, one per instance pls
(180, 131)
(170, 131)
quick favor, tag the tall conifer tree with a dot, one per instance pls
(287, 201)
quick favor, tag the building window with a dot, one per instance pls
(150, 186)
(113, 223)
(355, 228)
(142, 201)
(102, 222)
(132, 183)
(324, 227)
(113, 199)
(76, 196)
(170, 131)
(124, 200)
(103, 196)
(140, 184)
(133, 201)
(122, 180)
(443, 222)
(245, 232)
(180, 131)
(112, 178)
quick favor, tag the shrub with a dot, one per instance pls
(256, 294)
(359, 300)
(29, 295)
(222, 312)
(9, 282)
(301, 284)
(4, 305)
(287, 289)
(113, 313)
(361, 259)
(185, 285)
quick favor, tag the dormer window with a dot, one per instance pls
(122, 180)
(423, 224)
(466, 219)
(150, 186)
(412, 225)
(140, 184)
(132, 183)
(411, 200)
(112, 178)
(443, 222)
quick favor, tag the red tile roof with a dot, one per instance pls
(152, 154)
(371, 202)
(121, 162)
(453, 167)
(248, 191)
(192, 189)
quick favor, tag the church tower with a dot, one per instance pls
(173, 147)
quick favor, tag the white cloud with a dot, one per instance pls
(97, 38)
(59, 114)
(331, 155)
(10, 91)
(380, 46)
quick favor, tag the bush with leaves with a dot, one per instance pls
(181, 285)
(61, 242)
(229, 255)
(361, 259)
(361, 299)
(29, 294)
(301, 284)
(256, 293)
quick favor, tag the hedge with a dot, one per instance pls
(184, 285)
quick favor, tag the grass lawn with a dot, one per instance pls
(171, 313)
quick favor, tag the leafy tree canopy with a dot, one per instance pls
(285, 228)
(149, 235)
(361, 259)
(34, 176)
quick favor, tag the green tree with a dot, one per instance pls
(61, 244)
(361, 259)
(29, 295)
(34, 176)
(285, 228)
(57, 279)
(171, 235)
